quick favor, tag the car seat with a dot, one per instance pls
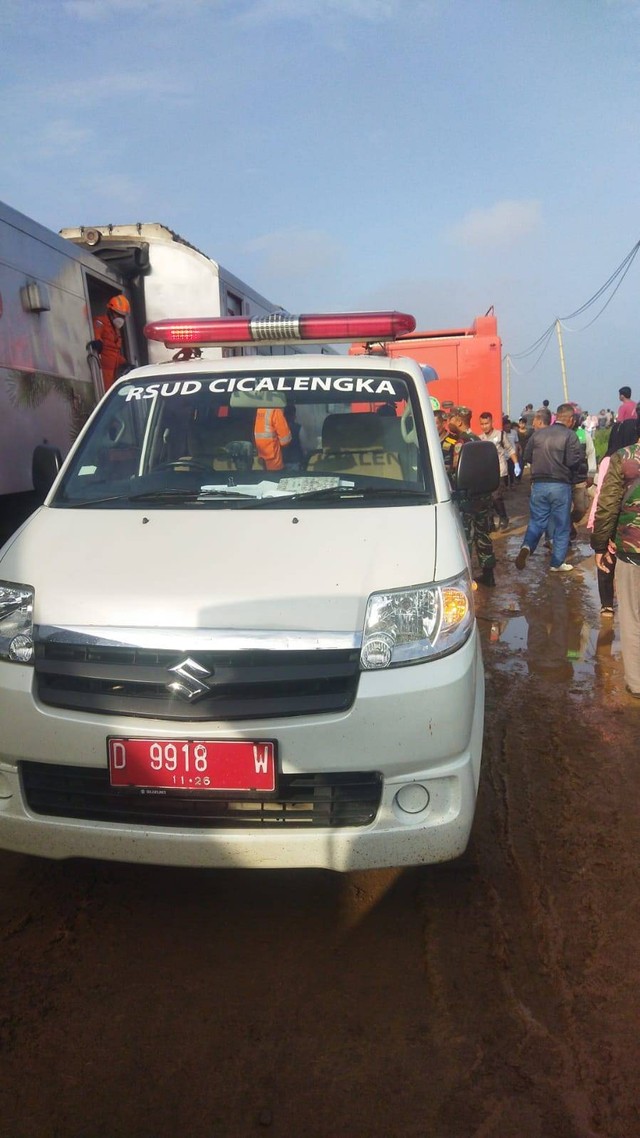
(354, 444)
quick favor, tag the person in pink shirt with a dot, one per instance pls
(620, 437)
(627, 408)
(605, 578)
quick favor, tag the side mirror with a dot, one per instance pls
(478, 469)
(45, 465)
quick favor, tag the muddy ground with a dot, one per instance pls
(495, 998)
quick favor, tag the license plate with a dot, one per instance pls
(192, 765)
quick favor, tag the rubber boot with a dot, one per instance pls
(486, 578)
(501, 511)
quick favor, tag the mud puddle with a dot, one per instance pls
(540, 624)
(496, 997)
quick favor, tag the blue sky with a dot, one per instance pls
(436, 156)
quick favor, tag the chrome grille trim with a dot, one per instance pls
(110, 679)
(197, 639)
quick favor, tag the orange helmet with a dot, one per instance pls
(119, 304)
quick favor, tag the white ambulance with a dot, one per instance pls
(240, 630)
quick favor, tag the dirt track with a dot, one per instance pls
(495, 998)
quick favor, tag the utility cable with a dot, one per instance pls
(607, 303)
(548, 334)
(534, 346)
(628, 261)
(623, 268)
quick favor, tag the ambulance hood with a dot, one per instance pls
(263, 569)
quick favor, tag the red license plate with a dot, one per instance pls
(192, 765)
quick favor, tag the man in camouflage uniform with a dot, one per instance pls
(616, 534)
(476, 512)
(450, 443)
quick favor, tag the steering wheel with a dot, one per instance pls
(189, 463)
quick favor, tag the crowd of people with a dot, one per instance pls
(581, 466)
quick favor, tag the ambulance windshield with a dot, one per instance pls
(242, 437)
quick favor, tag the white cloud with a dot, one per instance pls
(114, 86)
(501, 224)
(441, 302)
(296, 252)
(62, 137)
(101, 10)
(117, 190)
(254, 11)
(371, 11)
(625, 7)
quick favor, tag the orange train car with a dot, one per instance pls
(467, 361)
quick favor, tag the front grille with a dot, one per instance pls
(253, 684)
(303, 800)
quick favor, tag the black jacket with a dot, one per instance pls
(555, 455)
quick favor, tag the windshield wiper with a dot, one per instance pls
(170, 494)
(338, 493)
(86, 502)
(250, 501)
(193, 495)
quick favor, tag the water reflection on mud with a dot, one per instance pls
(551, 628)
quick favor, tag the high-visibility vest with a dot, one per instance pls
(271, 432)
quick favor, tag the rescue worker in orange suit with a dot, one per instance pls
(107, 331)
(272, 433)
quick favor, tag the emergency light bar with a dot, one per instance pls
(281, 328)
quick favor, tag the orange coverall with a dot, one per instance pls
(271, 432)
(111, 357)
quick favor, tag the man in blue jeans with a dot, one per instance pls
(557, 460)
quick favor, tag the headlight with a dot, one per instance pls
(406, 626)
(16, 622)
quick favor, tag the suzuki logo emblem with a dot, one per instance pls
(191, 682)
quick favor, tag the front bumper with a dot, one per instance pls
(421, 724)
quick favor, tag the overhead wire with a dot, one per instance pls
(547, 338)
(621, 271)
(535, 345)
(630, 260)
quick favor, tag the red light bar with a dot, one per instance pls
(281, 328)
